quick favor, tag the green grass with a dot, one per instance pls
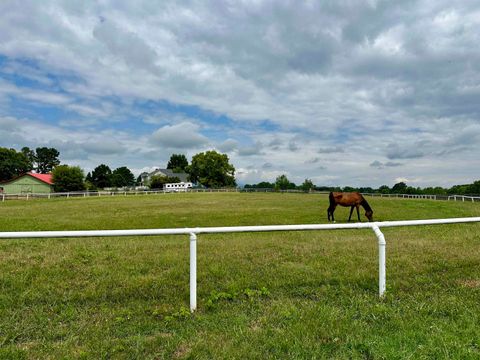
(283, 295)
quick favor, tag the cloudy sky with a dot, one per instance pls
(340, 92)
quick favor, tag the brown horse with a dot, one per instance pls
(352, 199)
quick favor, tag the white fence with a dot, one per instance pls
(192, 232)
(85, 194)
(464, 198)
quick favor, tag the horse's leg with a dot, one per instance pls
(358, 214)
(351, 211)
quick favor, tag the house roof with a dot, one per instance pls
(46, 178)
(168, 172)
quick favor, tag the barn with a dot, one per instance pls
(29, 183)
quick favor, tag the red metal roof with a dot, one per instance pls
(46, 178)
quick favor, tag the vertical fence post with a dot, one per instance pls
(193, 272)
(381, 260)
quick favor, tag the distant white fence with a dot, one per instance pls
(464, 198)
(84, 194)
(192, 232)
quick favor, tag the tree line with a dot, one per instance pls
(209, 169)
(282, 183)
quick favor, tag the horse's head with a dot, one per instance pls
(369, 215)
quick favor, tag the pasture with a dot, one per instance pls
(282, 295)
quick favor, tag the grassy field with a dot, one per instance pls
(284, 295)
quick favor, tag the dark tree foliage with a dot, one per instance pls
(212, 170)
(177, 163)
(46, 159)
(12, 164)
(102, 176)
(474, 189)
(399, 188)
(384, 189)
(122, 176)
(67, 178)
(30, 155)
(260, 185)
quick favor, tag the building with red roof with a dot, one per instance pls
(29, 183)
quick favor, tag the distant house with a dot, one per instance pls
(145, 177)
(29, 183)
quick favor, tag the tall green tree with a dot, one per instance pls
(68, 178)
(122, 176)
(399, 188)
(282, 183)
(307, 185)
(177, 163)
(102, 176)
(12, 164)
(46, 159)
(212, 169)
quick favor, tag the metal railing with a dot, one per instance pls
(193, 232)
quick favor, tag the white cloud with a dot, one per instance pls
(185, 135)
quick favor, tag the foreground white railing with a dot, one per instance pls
(192, 232)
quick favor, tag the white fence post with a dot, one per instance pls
(381, 260)
(193, 272)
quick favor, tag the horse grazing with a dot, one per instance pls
(352, 199)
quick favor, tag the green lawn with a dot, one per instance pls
(282, 295)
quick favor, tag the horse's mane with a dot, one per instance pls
(365, 205)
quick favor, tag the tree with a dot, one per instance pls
(67, 178)
(122, 176)
(474, 189)
(282, 183)
(102, 176)
(177, 163)
(384, 189)
(212, 170)
(46, 159)
(30, 155)
(157, 181)
(12, 164)
(307, 185)
(399, 188)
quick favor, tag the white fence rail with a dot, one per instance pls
(192, 232)
(464, 198)
(85, 194)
